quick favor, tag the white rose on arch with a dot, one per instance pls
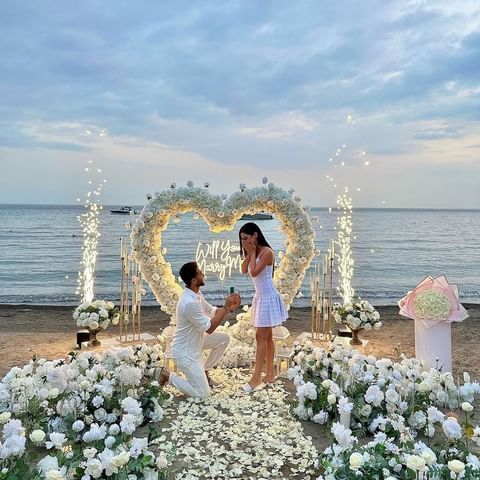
(221, 214)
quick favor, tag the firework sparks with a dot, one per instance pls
(90, 223)
(345, 256)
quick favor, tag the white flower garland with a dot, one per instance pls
(221, 214)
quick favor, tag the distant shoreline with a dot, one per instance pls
(139, 206)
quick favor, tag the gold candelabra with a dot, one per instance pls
(131, 291)
(321, 284)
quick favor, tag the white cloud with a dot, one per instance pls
(279, 127)
(235, 91)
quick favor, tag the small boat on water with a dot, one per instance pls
(257, 216)
(124, 211)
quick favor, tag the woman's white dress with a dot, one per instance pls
(268, 307)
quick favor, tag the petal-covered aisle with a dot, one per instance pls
(236, 435)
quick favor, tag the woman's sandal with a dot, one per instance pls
(270, 384)
(247, 388)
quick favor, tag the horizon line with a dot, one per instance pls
(316, 207)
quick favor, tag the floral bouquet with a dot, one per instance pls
(96, 315)
(357, 316)
(434, 304)
(433, 300)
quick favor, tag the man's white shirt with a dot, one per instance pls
(194, 316)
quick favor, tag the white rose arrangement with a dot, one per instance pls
(96, 315)
(81, 417)
(360, 315)
(394, 401)
(404, 459)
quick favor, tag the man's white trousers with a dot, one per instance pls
(196, 384)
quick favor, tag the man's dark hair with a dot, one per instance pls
(188, 272)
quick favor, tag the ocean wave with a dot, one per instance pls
(391, 296)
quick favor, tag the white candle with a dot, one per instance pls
(345, 419)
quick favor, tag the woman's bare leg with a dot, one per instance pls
(269, 356)
(261, 338)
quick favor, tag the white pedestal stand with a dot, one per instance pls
(432, 343)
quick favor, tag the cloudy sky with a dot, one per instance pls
(380, 96)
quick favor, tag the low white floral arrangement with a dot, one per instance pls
(96, 315)
(397, 404)
(81, 417)
(242, 340)
(360, 315)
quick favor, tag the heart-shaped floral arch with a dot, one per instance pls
(221, 214)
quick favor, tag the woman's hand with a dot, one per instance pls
(250, 246)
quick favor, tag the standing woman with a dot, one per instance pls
(268, 309)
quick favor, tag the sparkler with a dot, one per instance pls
(344, 221)
(345, 256)
(90, 223)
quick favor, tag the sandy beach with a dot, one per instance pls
(49, 332)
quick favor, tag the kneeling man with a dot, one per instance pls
(197, 321)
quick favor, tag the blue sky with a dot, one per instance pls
(231, 91)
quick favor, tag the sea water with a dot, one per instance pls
(393, 249)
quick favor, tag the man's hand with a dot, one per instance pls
(232, 302)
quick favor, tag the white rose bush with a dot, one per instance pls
(80, 417)
(403, 459)
(96, 315)
(397, 403)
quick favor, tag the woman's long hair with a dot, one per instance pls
(249, 229)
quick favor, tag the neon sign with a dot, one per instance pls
(220, 257)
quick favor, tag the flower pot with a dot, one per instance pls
(94, 342)
(355, 340)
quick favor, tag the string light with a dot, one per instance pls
(90, 223)
(345, 256)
